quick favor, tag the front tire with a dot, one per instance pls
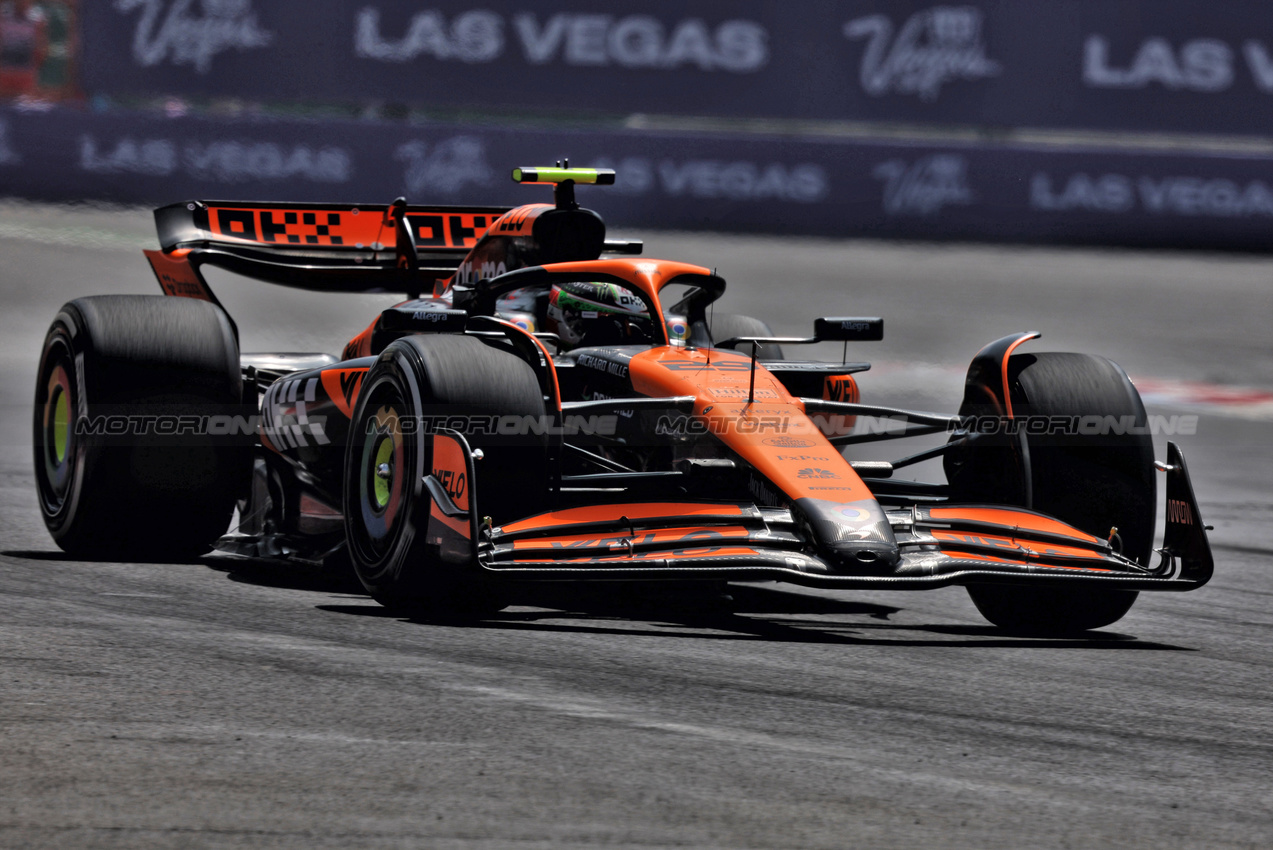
(428, 379)
(1093, 481)
(124, 465)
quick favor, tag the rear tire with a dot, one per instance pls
(729, 325)
(437, 376)
(1092, 481)
(157, 486)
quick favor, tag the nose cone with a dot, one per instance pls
(855, 535)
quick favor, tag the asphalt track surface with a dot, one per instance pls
(194, 705)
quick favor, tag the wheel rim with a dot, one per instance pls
(381, 482)
(61, 413)
(382, 474)
(57, 434)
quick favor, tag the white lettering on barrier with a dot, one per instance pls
(925, 186)
(641, 41)
(579, 40)
(237, 162)
(187, 40)
(157, 157)
(743, 181)
(1106, 193)
(1216, 197)
(473, 36)
(448, 167)
(935, 46)
(802, 183)
(1200, 65)
(224, 161)
(1261, 65)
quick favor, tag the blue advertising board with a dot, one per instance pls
(1143, 65)
(747, 183)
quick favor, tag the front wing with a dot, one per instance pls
(730, 541)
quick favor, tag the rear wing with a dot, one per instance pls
(324, 247)
(393, 247)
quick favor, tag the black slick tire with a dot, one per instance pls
(124, 464)
(1095, 481)
(446, 379)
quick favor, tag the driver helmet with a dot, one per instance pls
(585, 313)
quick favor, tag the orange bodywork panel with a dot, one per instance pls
(662, 536)
(359, 346)
(1015, 547)
(450, 469)
(614, 513)
(519, 221)
(1007, 385)
(772, 433)
(1022, 520)
(342, 387)
(485, 257)
(668, 557)
(177, 276)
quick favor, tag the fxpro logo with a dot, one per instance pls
(447, 166)
(174, 33)
(924, 186)
(934, 47)
(580, 40)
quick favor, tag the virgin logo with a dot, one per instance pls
(932, 48)
(448, 167)
(925, 186)
(172, 32)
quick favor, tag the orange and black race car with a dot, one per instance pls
(547, 405)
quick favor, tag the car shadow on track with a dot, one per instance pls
(59, 555)
(746, 613)
(292, 577)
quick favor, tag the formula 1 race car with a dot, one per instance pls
(547, 405)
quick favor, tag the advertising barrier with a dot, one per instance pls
(749, 183)
(1145, 65)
